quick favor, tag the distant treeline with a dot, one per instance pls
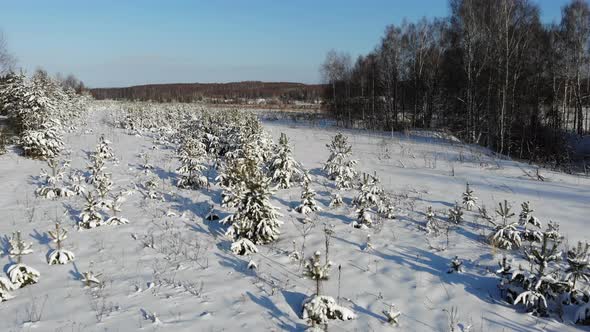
(215, 92)
(491, 73)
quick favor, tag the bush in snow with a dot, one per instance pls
(50, 189)
(319, 309)
(255, 220)
(339, 166)
(191, 155)
(20, 274)
(469, 200)
(308, 203)
(283, 167)
(59, 255)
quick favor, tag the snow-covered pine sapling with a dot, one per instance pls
(319, 309)
(6, 286)
(59, 255)
(483, 214)
(385, 207)
(526, 219)
(151, 188)
(99, 178)
(370, 191)
(211, 216)
(50, 188)
(104, 150)
(432, 225)
(364, 218)
(283, 167)
(192, 155)
(114, 207)
(505, 235)
(77, 179)
(20, 274)
(578, 264)
(392, 315)
(91, 216)
(256, 219)
(505, 267)
(368, 245)
(456, 265)
(146, 166)
(456, 214)
(308, 202)
(469, 200)
(336, 200)
(315, 270)
(340, 166)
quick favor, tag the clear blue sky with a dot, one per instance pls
(119, 43)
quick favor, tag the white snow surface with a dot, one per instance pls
(197, 284)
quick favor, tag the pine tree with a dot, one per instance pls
(469, 200)
(339, 166)
(432, 226)
(284, 168)
(191, 155)
(527, 220)
(456, 214)
(578, 264)
(256, 220)
(91, 216)
(370, 192)
(336, 200)
(114, 206)
(505, 235)
(59, 255)
(50, 188)
(319, 309)
(20, 274)
(308, 203)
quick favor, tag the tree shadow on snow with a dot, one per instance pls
(43, 239)
(75, 273)
(294, 300)
(285, 322)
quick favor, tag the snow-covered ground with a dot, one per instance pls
(171, 263)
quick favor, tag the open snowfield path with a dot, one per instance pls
(170, 269)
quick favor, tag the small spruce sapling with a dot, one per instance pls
(283, 168)
(191, 155)
(392, 315)
(91, 216)
(20, 274)
(578, 264)
(6, 286)
(432, 225)
(308, 202)
(469, 200)
(505, 235)
(340, 167)
(336, 200)
(50, 189)
(114, 206)
(456, 265)
(59, 255)
(456, 214)
(319, 309)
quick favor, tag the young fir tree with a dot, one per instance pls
(283, 167)
(91, 215)
(308, 203)
(530, 224)
(114, 206)
(505, 235)
(256, 220)
(6, 286)
(20, 274)
(50, 188)
(578, 264)
(192, 156)
(370, 192)
(432, 226)
(336, 200)
(340, 167)
(456, 214)
(59, 255)
(469, 200)
(319, 309)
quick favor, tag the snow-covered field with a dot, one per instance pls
(170, 269)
